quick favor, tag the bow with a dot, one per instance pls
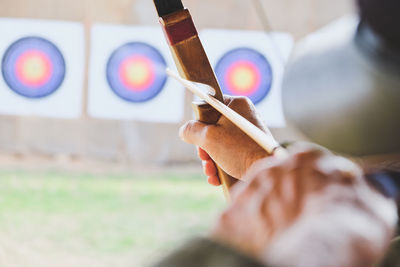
(192, 63)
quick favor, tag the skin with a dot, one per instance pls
(224, 143)
(311, 208)
(303, 211)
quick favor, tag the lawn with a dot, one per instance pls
(69, 219)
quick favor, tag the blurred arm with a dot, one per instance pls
(311, 209)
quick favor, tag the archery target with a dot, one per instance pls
(245, 71)
(136, 72)
(127, 75)
(33, 67)
(42, 68)
(251, 63)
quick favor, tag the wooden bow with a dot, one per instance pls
(192, 63)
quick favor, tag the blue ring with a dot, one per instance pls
(22, 45)
(250, 55)
(132, 49)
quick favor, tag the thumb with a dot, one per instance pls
(194, 132)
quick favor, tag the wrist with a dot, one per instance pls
(253, 160)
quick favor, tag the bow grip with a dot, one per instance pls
(207, 114)
(193, 64)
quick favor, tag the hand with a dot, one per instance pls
(310, 209)
(224, 143)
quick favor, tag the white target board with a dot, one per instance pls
(251, 63)
(42, 68)
(127, 75)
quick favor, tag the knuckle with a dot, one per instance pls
(186, 132)
(274, 171)
(191, 132)
(255, 183)
(190, 128)
(186, 128)
(247, 101)
(237, 102)
(183, 131)
(306, 156)
(347, 170)
(242, 101)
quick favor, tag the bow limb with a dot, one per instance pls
(192, 64)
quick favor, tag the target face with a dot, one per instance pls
(136, 72)
(33, 67)
(245, 72)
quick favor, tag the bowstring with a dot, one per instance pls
(265, 23)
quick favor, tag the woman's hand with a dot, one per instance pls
(224, 143)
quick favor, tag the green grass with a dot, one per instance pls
(59, 219)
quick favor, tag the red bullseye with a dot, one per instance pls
(245, 72)
(243, 78)
(34, 68)
(137, 73)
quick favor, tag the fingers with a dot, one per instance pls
(193, 132)
(210, 170)
(214, 180)
(246, 108)
(209, 167)
(241, 105)
(203, 155)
